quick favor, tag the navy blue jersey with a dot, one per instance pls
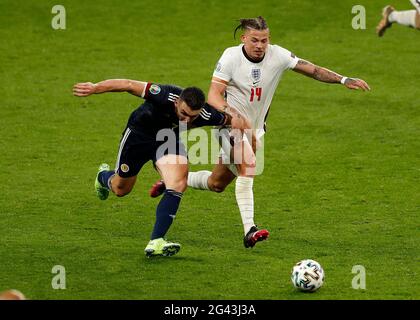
(158, 111)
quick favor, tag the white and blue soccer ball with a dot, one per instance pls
(307, 275)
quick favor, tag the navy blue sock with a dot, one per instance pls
(104, 177)
(165, 212)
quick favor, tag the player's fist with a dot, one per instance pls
(355, 84)
(238, 121)
(84, 89)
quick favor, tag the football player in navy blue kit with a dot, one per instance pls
(165, 109)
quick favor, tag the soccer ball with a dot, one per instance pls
(307, 275)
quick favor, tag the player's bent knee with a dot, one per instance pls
(217, 186)
(122, 186)
(121, 191)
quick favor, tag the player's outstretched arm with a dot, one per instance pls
(85, 89)
(322, 74)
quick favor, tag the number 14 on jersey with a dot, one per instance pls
(255, 94)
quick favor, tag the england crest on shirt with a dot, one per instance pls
(255, 75)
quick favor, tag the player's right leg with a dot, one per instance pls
(173, 169)
(244, 192)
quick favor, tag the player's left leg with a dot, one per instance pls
(107, 180)
(243, 156)
(244, 193)
(134, 151)
(121, 186)
(174, 171)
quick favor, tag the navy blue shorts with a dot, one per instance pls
(137, 148)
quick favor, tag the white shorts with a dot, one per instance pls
(226, 140)
(416, 4)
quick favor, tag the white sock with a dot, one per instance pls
(199, 179)
(406, 18)
(245, 199)
(416, 4)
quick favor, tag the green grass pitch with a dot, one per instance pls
(341, 179)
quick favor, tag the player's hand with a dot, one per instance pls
(237, 120)
(241, 123)
(84, 89)
(355, 84)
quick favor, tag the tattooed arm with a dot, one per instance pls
(134, 87)
(322, 74)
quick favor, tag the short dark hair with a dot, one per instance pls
(194, 97)
(258, 23)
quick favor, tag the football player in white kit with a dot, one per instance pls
(244, 82)
(409, 18)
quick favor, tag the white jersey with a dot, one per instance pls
(252, 85)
